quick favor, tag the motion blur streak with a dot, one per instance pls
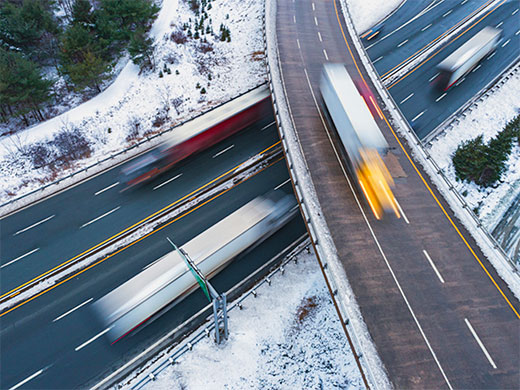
(422, 178)
(138, 240)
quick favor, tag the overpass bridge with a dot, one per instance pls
(416, 290)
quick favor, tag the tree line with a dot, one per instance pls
(79, 39)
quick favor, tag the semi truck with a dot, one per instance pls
(465, 58)
(168, 280)
(198, 135)
(360, 137)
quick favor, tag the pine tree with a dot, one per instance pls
(22, 87)
(141, 50)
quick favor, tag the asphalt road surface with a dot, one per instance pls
(55, 230)
(423, 105)
(41, 338)
(437, 311)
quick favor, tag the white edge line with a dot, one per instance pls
(26, 380)
(152, 263)
(433, 77)
(33, 225)
(224, 151)
(406, 98)
(282, 184)
(418, 116)
(480, 344)
(92, 339)
(440, 97)
(376, 241)
(167, 181)
(101, 216)
(267, 126)
(71, 310)
(20, 257)
(106, 188)
(433, 266)
(401, 211)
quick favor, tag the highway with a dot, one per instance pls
(412, 27)
(437, 311)
(59, 228)
(54, 334)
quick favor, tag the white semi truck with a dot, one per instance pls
(465, 58)
(360, 135)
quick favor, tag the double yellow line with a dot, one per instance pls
(14, 291)
(421, 176)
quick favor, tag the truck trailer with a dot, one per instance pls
(360, 136)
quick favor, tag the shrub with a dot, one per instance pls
(484, 164)
(179, 37)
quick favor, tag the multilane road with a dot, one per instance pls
(52, 341)
(411, 28)
(55, 230)
(437, 311)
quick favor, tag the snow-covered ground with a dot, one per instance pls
(289, 337)
(108, 119)
(366, 13)
(486, 117)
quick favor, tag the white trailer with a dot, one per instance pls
(168, 279)
(360, 136)
(465, 58)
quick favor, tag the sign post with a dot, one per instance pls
(219, 300)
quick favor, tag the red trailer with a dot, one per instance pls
(199, 134)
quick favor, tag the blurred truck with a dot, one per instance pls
(198, 135)
(364, 143)
(168, 280)
(465, 58)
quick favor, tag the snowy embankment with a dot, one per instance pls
(135, 104)
(366, 13)
(486, 117)
(289, 337)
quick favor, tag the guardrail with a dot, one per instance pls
(171, 354)
(445, 186)
(135, 147)
(111, 245)
(490, 87)
(361, 344)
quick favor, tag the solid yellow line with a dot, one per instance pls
(138, 240)
(135, 224)
(439, 37)
(423, 180)
(438, 51)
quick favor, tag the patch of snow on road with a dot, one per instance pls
(486, 117)
(289, 337)
(367, 13)
(108, 119)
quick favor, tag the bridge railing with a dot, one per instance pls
(444, 185)
(343, 297)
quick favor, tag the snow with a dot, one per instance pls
(235, 66)
(367, 13)
(486, 117)
(288, 337)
